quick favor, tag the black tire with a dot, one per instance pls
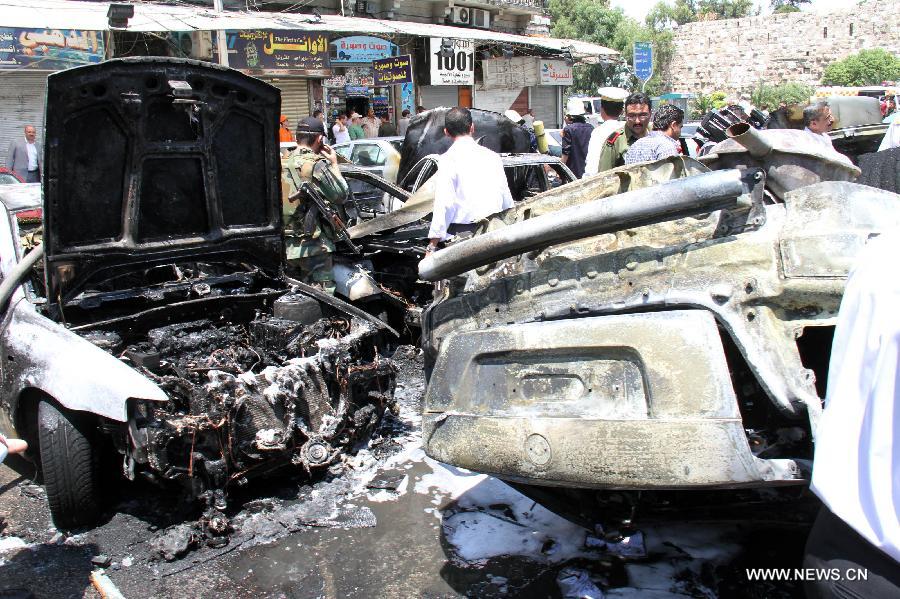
(69, 460)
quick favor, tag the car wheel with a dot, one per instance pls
(70, 465)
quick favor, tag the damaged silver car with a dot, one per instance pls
(660, 326)
(154, 322)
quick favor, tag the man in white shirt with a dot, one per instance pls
(892, 135)
(470, 184)
(403, 123)
(612, 101)
(818, 121)
(857, 457)
(24, 157)
(371, 124)
(340, 130)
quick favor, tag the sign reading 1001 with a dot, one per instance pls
(458, 61)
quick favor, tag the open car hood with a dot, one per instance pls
(157, 160)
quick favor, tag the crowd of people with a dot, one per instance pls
(350, 125)
(589, 150)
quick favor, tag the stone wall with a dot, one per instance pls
(735, 55)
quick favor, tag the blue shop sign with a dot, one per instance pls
(361, 49)
(356, 91)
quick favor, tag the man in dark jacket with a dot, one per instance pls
(575, 137)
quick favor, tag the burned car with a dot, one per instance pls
(660, 326)
(394, 240)
(154, 322)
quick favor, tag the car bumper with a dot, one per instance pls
(639, 401)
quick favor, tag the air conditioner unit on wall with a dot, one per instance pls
(473, 17)
(461, 15)
(481, 18)
(193, 44)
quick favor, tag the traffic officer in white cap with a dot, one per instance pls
(612, 101)
(575, 137)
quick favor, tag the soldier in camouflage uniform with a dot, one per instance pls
(309, 238)
(637, 124)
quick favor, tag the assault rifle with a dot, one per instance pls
(327, 211)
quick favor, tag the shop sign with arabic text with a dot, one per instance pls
(391, 71)
(352, 76)
(279, 50)
(361, 48)
(454, 67)
(49, 49)
(555, 72)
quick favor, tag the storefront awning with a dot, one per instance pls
(64, 14)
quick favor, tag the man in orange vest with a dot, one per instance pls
(285, 133)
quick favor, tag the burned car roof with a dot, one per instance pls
(156, 160)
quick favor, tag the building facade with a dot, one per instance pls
(318, 60)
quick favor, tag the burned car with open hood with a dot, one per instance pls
(661, 326)
(154, 323)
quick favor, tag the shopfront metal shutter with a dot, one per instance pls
(21, 103)
(435, 96)
(545, 102)
(294, 98)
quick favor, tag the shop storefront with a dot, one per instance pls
(27, 57)
(546, 98)
(352, 88)
(451, 73)
(524, 82)
(293, 61)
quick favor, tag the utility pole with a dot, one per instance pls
(221, 42)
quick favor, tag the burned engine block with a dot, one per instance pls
(247, 399)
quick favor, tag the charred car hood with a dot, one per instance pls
(151, 161)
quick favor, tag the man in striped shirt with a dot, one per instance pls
(663, 141)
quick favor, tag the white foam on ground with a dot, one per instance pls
(478, 532)
(383, 495)
(9, 545)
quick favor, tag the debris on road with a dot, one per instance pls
(105, 586)
(575, 583)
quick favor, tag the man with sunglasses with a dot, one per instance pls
(637, 124)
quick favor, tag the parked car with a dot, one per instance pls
(526, 174)
(657, 327)
(381, 155)
(155, 322)
(591, 109)
(8, 177)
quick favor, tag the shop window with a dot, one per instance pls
(367, 155)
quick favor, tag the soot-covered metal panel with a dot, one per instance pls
(158, 160)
